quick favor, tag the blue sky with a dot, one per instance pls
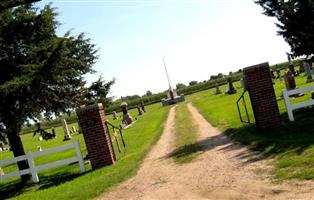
(197, 38)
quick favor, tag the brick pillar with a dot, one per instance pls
(260, 87)
(96, 136)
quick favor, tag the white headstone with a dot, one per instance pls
(39, 148)
(67, 135)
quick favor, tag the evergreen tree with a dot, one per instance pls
(40, 72)
(98, 92)
(295, 22)
(6, 4)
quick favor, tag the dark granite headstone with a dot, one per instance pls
(143, 106)
(230, 88)
(290, 81)
(127, 119)
(140, 111)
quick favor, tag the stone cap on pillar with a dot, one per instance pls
(255, 67)
(84, 109)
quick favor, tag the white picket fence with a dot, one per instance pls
(290, 107)
(34, 169)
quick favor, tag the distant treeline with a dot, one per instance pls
(149, 98)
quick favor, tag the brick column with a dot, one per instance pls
(96, 136)
(260, 87)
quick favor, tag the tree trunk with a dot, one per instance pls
(18, 149)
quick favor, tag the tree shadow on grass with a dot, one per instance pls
(291, 137)
(200, 146)
(16, 188)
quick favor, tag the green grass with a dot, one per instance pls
(186, 148)
(68, 183)
(292, 145)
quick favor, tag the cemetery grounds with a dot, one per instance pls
(281, 160)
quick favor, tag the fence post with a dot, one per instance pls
(288, 105)
(79, 155)
(32, 167)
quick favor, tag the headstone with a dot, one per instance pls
(127, 119)
(290, 81)
(1, 145)
(67, 135)
(39, 148)
(280, 77)
(308, 72)
(115, 115)
(96, 136)
(140, 111)
(217, 89)
(40, 138)
(53, 131)
(1, 171)
(230, 88)
(143, 106)
(242, 83)
(74, 129)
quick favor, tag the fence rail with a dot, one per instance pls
(289, 106)
(33, 169)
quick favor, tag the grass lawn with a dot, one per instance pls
(292, 145)
(67, 182)
(185, 136)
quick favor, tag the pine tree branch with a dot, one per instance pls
(13, 3)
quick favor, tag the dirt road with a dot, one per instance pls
(225, 170)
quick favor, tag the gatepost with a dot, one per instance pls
(97, 139)
(263, 99)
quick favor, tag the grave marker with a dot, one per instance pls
(290, 81)
(143, 106)
(140, 111)
(127, 119)
(230, 88)
(218, 91)
(115, 115)
(67, 135)
(308, 71)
